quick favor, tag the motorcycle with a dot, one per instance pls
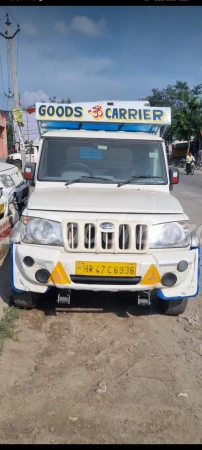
(190, 168)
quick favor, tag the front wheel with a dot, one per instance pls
(28, 300)
(173, 307)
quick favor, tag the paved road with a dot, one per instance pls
(147, 368)
(189, 193)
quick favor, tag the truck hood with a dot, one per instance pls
(5, 166)
(107, 201)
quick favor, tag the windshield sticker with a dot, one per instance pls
(90, 153)
(102, 147)
(153, 155)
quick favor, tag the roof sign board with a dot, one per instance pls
(117, 112)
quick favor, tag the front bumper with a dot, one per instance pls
(21, 193)
(23, 277)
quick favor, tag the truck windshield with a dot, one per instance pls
(66, 159)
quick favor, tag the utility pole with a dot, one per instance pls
(17, 126)
(10, 97)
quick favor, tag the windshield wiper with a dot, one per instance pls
(135, 178)
(76, 180)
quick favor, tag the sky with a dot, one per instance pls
(91, 53)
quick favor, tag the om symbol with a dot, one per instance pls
(97, 112)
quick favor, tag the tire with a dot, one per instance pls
(173, 307)
(28, 300)
(17, 163)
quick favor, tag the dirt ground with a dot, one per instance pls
(139, 360)
(116, 374)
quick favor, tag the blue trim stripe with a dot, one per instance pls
(102, 126)
(162, 296)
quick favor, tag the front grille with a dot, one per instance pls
(15, 178)
(120, 238)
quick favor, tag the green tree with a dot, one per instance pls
(186, 110)
(54, 100)
(51, 100)
(9, 131)
(66, 101)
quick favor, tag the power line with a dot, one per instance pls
(7, 10)
(3, 8)
(3, 28)
(2, 18)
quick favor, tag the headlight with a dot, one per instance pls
(7, 180)
(41, 231)
(167, 235)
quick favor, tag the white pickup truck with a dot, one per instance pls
(31, 155)
(102, 217)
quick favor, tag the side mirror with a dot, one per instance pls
(29, 172)
(173, 176)
(1, 185)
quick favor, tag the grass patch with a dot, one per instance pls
(7, 325)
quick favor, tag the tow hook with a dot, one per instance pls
(64, 297)
(144, 298)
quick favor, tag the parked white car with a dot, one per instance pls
(8, 217)
(31, 155)
(15, 188)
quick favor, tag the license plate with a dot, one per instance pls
(105, 269)
(1, 208)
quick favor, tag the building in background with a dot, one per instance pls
(4, 115)
(30, 129)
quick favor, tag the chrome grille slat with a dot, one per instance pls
(89, 236)
(124, 235)
(72, 235)
(141, 237)
(89, 240)
(107, 240)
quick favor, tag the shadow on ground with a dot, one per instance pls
(5, 281)
(122, 304)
